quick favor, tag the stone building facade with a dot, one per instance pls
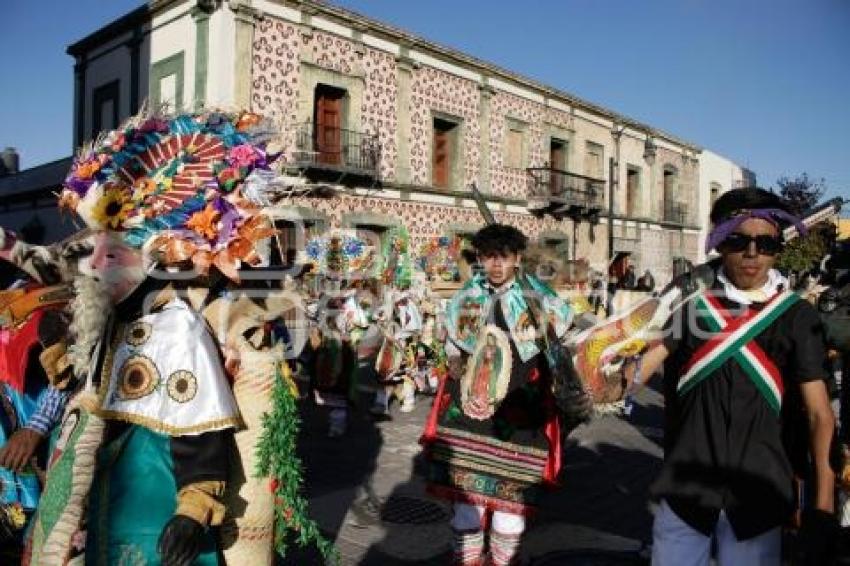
(434, 121)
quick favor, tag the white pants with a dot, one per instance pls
(675, 543)
(468, 518)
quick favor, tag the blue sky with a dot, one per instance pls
(763, 82)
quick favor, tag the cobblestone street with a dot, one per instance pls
(367, 491)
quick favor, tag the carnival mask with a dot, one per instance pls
(120, 267)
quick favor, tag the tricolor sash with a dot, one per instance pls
(735, 338)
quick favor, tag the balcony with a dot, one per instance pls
(563, 194)
(675, 213)
(336, 155)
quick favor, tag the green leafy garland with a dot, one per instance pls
(277, 459)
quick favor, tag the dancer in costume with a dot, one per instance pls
(492, 438)
(145, 452)
(342, 263)
(740, 360)
(401, 323)
(340, 323)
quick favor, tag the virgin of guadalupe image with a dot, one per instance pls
(485, 382)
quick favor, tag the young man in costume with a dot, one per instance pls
(739, 358)
(156, 416)
(492, 438)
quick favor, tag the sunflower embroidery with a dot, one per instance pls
(138, 333)
(182, 386)
(137, 378)
(113, 208)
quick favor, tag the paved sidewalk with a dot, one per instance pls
(367, 491)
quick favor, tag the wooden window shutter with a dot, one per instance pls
(441, 157)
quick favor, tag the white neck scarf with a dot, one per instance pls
(775, 281)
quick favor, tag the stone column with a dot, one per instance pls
(246, 18)
(201, 14)
(487, 93)
(404, 81)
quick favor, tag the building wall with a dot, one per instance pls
(108, 64)
(272, 55)
(715, 170)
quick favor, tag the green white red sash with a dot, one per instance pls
(735, 338)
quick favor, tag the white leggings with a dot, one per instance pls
(468, 517)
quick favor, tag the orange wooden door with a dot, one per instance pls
(442, 155)
(556, 163)
(328, 122)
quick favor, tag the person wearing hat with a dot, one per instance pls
(492, 437)
(740, 360)
(148, 440)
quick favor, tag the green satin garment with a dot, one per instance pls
(133, 496)
(472, 307)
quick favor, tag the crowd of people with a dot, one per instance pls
(138, 406)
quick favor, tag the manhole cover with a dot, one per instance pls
(405, 510)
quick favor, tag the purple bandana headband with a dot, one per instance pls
(772, 215)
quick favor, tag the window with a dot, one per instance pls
(593, 161)
(328, 119)
(105, 107)
(558, 154)
(561, 246)
(632, 191)
(372, 234)
(714, 194)
(291, 237)
(670, 187)
(514, 154)
(166, 82)
(443, 154)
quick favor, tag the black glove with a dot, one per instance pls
(52, 328)
(817, 537)
(180, 541)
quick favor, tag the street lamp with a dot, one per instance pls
(613, 183)
(649, 150)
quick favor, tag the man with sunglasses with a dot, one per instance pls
(740, 358)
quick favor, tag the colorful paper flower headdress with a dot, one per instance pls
(340, 256)
(173, 186)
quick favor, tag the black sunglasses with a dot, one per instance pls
(765, 245)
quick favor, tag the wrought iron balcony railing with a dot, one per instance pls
(675, 212)
(562, 193)
(336, 149)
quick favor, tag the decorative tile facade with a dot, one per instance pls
(281, 49)
(454, 97)
(507, 181)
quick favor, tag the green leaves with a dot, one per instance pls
(278, 460)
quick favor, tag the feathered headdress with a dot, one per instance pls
(172, 185)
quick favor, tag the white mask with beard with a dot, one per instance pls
(119, 267)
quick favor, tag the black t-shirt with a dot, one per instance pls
(724, 446)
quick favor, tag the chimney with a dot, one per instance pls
(9, 161)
